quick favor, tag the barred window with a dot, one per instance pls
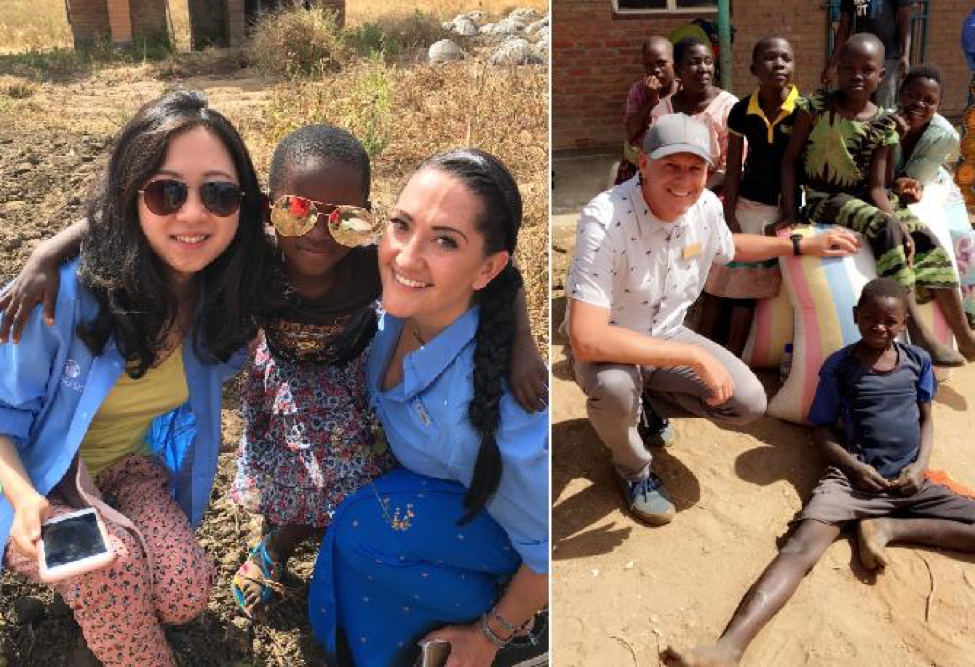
(677, 6)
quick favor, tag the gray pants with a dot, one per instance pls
(615, 394)
(886, 95)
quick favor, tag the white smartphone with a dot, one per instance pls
(434, 654)
(72, 544)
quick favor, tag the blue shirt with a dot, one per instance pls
(51, 386)
(968, 39)
(879, 411)
(426, 423)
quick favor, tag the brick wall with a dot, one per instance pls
(149, 19)
(236, 22)
(89, 21)
(120, 20)
(944, 50)
(596, 56)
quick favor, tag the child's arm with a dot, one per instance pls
(529, 374)
(879, 198)
(30, 507)
(732, 179)
(637, 121)
(911, 477)
(790, 169)
(38, 281)
(862, 475)
(842, 34)
(878, 179)
(904, 39)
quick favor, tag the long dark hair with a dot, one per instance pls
(491, 182)
(138, 303)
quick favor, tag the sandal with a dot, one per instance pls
(258, 569)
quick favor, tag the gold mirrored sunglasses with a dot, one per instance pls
(350, 226)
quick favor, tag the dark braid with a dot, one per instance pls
(487, 178)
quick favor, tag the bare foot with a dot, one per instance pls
(872, 536)
(257, 580)
(942, 355)
(704, 656)
(966, 345)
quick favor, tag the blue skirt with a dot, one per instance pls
(395, 565)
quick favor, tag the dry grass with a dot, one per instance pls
(33, 24)
(179, 18)
(299, 42)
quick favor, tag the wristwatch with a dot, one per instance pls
(796, 249)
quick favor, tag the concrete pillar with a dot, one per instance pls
(120, 21)
(236, 21)
(208, 23)
(89, 21)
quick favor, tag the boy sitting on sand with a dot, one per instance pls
(872, 414)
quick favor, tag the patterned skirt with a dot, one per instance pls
(931, 269)
(309, 439)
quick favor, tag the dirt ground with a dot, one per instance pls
(623, 591)
(55, 131)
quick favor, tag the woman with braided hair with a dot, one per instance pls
(452, 545)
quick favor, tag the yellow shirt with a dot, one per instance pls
(119, 427)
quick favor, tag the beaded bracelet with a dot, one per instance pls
(505, 623)
(489, 633)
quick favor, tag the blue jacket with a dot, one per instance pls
(968, 39)
(51, 386)
(426, 423)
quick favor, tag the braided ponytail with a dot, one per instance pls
(487, 178)
(492, 363)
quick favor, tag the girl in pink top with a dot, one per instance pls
(699, 97)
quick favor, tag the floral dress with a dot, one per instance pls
(836, 171)
(310, 437)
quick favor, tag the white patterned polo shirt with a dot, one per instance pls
(645, 271)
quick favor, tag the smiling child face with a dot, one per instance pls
(919, 101)
(880, 320)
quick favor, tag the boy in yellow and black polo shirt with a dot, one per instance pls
(752, 193)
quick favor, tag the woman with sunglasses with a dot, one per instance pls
(453, 545)
(116, 403)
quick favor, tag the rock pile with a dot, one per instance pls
(520, 38)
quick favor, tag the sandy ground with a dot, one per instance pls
(623, 591)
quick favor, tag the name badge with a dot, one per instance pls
(692, 250)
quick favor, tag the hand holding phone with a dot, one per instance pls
(25, 531)
(73, 544)
(433, 653)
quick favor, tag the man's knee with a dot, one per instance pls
(748, 403)
(614, 390)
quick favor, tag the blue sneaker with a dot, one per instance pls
(654, 431)
(648, 500)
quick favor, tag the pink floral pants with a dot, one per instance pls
(121, 608)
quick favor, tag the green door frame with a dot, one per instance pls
(919, 28)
